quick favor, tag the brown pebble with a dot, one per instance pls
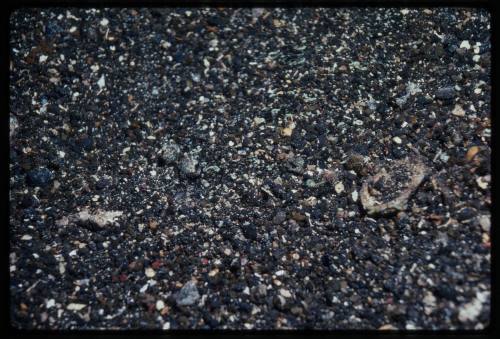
(298, 216)
(153, 225)
(165, 310)
(135, 265)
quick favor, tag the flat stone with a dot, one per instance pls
(188, 295)
(445, 93)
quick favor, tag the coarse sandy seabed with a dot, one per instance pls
(250, 168)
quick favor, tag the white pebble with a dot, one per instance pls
(150, 272)
(471, 310)
(339, 188)
(482, 182)
(354, 196)
(465, 44)
(165, 44)
(285, 293)
(257, 120)
(102, 82)
(429, 299)
(160, 305)
(397, 140)
(458, 111)
(104, 22)
(485, 223)
(50, 303)
(75, 307)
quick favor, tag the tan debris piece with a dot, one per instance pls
(100, 218)
(471, 153)
(370, 203)
(458, 111)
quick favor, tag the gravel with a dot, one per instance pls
(204, 168)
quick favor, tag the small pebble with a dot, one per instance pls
(75, 307)
(458, 111)
(354, 196)
(150, 273)
(160, 305)
(471, 153)
(445, 93)
(339, 187)
(102, 82)
(188, 295)
(483, 182)
(465, 44)
(285, 293)
(485, 223)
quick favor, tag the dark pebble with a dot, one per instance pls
(40, 177)
(445, 93)
(250, 231)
